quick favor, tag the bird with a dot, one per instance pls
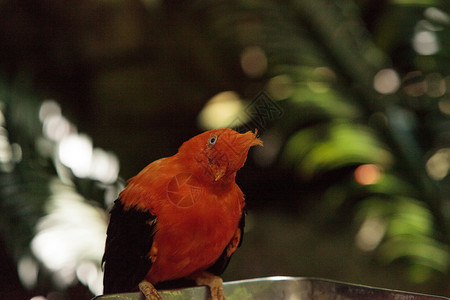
(181, 218)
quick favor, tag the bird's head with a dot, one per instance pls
(218, 154)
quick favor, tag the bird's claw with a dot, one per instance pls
(214, 283)
(149, 291)
(217, 293)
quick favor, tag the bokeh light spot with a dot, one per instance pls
(425, 42)
(414, 84)
(56, 127)
(438, 164)
(75, 152)
(28, 269)
(437, 15)
(436, 85)
(90, 274)
(223, 110)
(104, 166)
(280, 87)
(321, 79)
(444, 105)
(48, 109)
(254, 62)
(386, 81)
(71, 234)
(367, 174)
(370, 233)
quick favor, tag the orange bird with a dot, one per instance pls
(180, 217)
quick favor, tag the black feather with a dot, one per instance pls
(222, 262)
(129, 240)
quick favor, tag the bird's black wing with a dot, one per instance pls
(129, 240)
(222, 262)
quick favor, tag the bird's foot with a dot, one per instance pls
(214, 283)
(149, 291)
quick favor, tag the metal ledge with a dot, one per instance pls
(282, 287)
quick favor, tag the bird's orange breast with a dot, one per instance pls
(195, 224)
(195, 220)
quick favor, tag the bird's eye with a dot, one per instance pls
(212, 140)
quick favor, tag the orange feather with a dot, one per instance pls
(196, 202)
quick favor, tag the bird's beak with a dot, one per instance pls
(219, 172)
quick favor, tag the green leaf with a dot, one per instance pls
(317, 150)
